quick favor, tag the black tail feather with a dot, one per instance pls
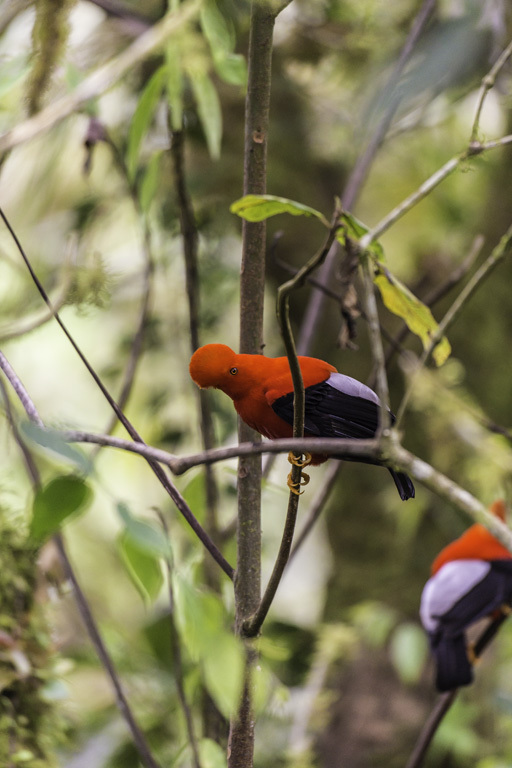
(404, 485)
(453, 666)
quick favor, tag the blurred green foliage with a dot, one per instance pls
(344, 676)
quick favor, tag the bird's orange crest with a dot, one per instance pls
(477, 543)
(210, 365)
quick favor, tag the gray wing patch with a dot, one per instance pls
(352, 387)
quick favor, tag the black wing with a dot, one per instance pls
(330, 412)
(448, 642)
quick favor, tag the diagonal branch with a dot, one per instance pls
(103, 78)
(445, 700)
(361, 169)
(498, 253)
(169, 487)
(139, 739)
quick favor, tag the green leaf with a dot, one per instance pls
(149, 184)
(53, 443)
(261, 207)
(231, 68)
(208, 108)
(199, 617)
(223, 666)
(148, 539)
(211, 754)
(174, 84)
(356, 229)
(409, 649)
(143, 116)
(57, 501)
(219, 34)
(399, 300)
(145, 569)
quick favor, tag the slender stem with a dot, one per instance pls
(488, 82)
(439, 292)
(140, 742)
(423, 190)
(252, 626)
(448, 490)
(360, 172)
(442, 706)
(372, 317)
(474, 148)
(178, 661)
(445, 700)
(495, 257)
(173, 492)
(190, 239)
(318, 505)
(83, 606)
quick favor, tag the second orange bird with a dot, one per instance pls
(471, 578)
(262, 392)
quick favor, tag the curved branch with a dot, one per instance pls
(445, 700)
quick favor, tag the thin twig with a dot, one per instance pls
(372, 318)
(103, 78)
(474, 147)
(317, 507)
(252, 626)
(190, 239)
(495, 257)
(440, 709)
(488, 83)
(438, 293)
(177, 658)
(360, 171)
(170, 488)
(104, 656)
(445, 488)
(83, 606)
(445, 700)
(180, 464)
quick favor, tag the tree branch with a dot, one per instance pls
(173, 492)
(497, 254)
(445, 700)
(252, 288)
(361, 168)
(139, 739)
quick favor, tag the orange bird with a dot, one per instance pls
(471, 578)
(262, 392)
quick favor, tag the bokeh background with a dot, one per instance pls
(348, 681)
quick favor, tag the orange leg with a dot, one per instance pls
(294, 487)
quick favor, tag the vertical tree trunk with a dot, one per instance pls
(252, 283)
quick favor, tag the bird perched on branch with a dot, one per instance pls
(262, 392)
(471, 579)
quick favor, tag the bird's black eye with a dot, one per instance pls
(233, 371)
